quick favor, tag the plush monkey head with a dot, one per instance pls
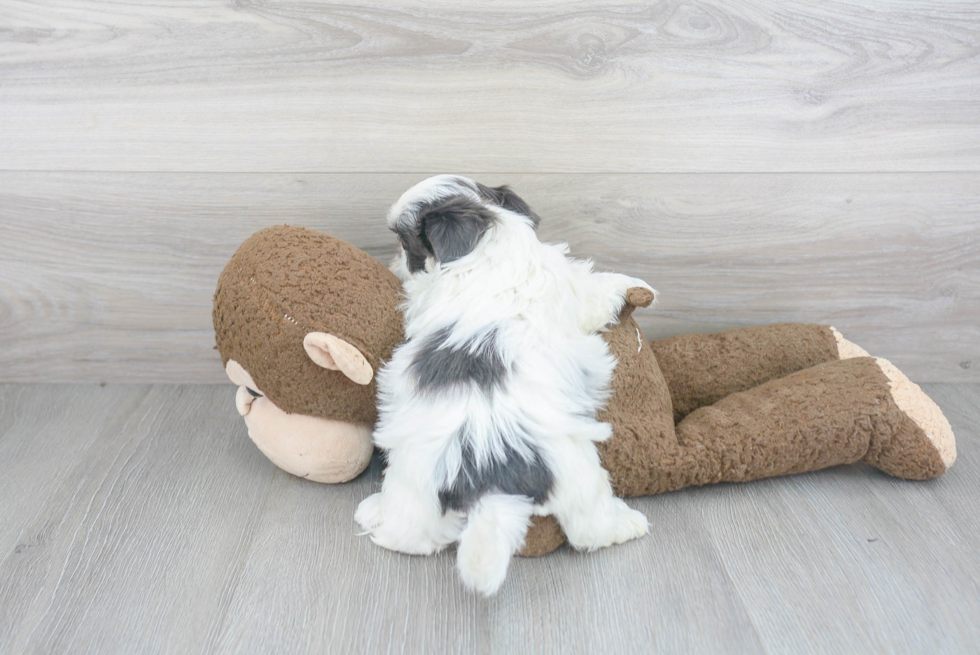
(302, 321)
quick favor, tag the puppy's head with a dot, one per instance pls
(443, 218)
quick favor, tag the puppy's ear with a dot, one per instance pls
(453, 228)
(334, 353)
(504, 196)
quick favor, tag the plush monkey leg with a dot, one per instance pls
(838, 412)
(701, 369)
(907, 454)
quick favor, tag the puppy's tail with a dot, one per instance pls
(495, 530)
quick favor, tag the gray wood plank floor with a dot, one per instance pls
(139, 519)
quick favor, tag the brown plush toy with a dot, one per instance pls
(304, 319)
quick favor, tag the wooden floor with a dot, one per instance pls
(138, 519)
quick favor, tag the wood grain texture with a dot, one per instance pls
(328, 590)
(668, 593)
(110, 276)
(133, 538)
(139, 519)
(875, 544)
(544, 86)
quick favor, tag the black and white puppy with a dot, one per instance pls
(488, 409)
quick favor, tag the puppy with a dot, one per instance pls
(487, 410)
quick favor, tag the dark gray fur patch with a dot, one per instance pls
(437, 366)
(503, 196)
(513, 475)
(416, 249)
(452, 228)
(447, 229)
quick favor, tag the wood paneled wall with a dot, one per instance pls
(757, 162)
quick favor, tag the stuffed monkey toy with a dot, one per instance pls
(303, 320)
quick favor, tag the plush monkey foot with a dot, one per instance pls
(922, 448)
(923, 445)
(847, 349)
(543, 536)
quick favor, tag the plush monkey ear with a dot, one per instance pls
(453, 228)
(335, 354)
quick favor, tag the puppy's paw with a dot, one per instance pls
(404, 540)
(369, 514)
(609, 525)
(628, 524)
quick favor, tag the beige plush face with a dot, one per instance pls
(314, 448)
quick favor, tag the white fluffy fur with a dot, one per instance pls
(547, 309)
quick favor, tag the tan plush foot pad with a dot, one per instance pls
(846, 349)
(923, 448)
